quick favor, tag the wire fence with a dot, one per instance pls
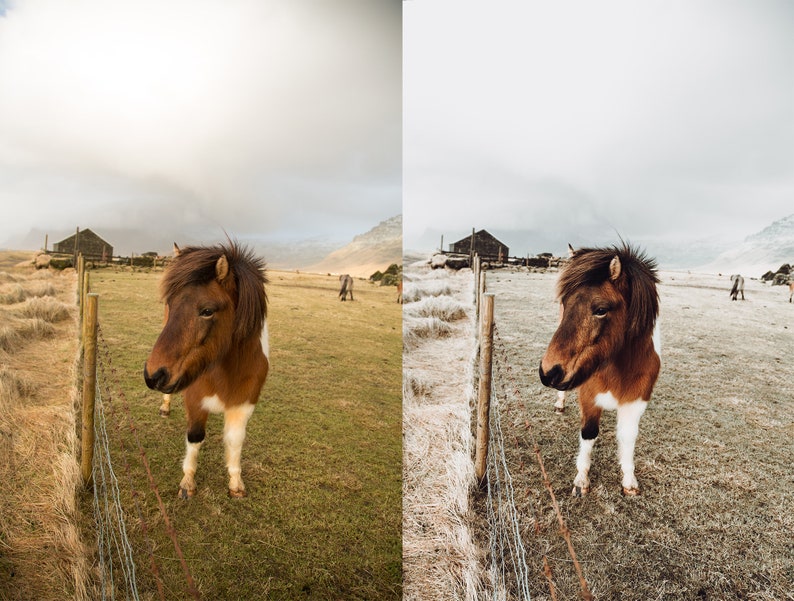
(116, 555)
(510, 570)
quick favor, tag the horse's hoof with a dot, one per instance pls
(186, 494)
(164, 413)
(237, 494)
(631, 492)
(579, 491)
(559, 410)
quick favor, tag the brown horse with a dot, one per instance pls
(213, 347)
(605, 346)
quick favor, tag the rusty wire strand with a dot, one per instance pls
(170, 530)
(105, 352)
(501, 359)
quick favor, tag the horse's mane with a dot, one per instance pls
(637, 282)
(195, 265)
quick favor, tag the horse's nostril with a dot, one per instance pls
(158, 380)
(553, 377)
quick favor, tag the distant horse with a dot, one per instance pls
(790, 290)
(605, 346)
(738, 286)
(213, 347)
(346, 287)
(400, 292)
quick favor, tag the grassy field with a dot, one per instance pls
(321, 461)
(713, 456)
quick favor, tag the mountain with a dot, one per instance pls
(367, 253)
(760, 252)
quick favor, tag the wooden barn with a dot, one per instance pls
(485, 245)
(87, 242)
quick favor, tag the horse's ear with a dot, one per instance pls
(176, 250)
(571, 251)
(614, 268)
(221, 268)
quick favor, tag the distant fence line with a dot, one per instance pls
(509, 569)
(114, 550)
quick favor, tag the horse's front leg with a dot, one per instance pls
(196, 424)
(626, 430)
(235, 420)
(591, 417)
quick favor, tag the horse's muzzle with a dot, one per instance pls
(554, 378)
(159, 380)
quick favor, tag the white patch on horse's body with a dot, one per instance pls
(657, 339)
(235, 421)
(265, 341)
(606, 400)
(626, 430)
(213, 404)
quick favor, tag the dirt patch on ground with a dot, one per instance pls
(713, 456)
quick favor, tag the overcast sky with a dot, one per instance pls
(278, 117)
(549, 122)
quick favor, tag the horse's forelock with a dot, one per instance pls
(195, 265)
(637, 282)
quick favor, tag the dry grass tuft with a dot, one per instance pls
(13, 387)
(13, 293)
(41, 552)
(440, 557)
(414, 291)
(445, 308)
(45, 308)
(418, 329)
(16, 332)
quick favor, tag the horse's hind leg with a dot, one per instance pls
(165, 408)
(627, 428)
(559, 406)
(235, 420)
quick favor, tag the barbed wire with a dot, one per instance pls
(170, 530)
(507, 547)
(504, 369)
(125, 464)
(111, 528)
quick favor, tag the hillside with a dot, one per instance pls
(366, 253)
(763, 251)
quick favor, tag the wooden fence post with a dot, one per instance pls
(484, 393)
(89, 386)
(80, 271)
(476, 267)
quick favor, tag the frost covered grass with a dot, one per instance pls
(713, 454)
(441, 559)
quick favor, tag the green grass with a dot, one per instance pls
(321, 461)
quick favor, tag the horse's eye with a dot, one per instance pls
(600, 311)
(206, 312)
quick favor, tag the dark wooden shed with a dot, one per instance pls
(485, 245)
(87, 242)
